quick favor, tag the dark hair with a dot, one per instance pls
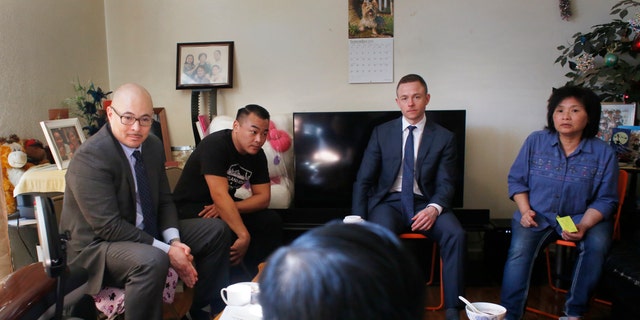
(589, 100)
(413, 78)
(259, 111)
(342, 271)
(202, 54)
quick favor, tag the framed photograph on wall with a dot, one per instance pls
(204, 65)
(615, 114)
(64, 137)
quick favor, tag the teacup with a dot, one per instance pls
(236, 294)
(352, 219)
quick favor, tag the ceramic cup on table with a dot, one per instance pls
(238, 294)
(352, 219)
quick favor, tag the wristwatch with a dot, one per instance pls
(173, 240)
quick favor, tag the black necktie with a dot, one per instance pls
(144, 192)
(406, 194)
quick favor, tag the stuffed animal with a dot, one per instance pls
(13, 159)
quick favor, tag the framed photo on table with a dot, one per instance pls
(615, 114)
(64, 137)
(204, 65)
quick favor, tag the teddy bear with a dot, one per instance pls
(16, 159)
(13, 160)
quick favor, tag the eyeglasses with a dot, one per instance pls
(128, 119)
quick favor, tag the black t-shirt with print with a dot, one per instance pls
(216, 155)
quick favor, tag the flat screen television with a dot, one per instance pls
(328, 149)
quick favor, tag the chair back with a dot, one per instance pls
(173, 174)
(623, 181)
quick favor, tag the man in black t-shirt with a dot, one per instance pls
(223, 162)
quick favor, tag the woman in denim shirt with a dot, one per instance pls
(563, 170)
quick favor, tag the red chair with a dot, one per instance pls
(411, 235)
(623, 179)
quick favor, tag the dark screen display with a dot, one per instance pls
(328, 149)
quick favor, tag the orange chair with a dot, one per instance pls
(623, 179)
(411, 235)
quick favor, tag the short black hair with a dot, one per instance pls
(589, 100)
(342, 271)
(259, 111)
(413, 78)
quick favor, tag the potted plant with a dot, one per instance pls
(89, 107)
(606, 59)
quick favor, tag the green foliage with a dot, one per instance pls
(88, 102)
(585, 56)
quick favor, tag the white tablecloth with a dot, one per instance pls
(42, 178)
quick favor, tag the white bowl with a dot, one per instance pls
(497, 312)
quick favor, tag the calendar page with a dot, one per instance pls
(370, 60)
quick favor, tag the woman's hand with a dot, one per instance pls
(528, 219)
(574, 236)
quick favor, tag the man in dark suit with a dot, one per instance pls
(123, 223)
(425, 206)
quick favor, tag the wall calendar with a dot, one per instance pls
(371, 60)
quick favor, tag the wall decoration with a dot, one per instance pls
(370, 41)
(64, 137)
(204, 65)
(565, 9)
(614, 115)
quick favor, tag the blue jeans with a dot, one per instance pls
(525, 246)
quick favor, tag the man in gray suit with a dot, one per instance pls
(379, 191)
(123, 223)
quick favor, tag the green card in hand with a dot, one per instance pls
(567, 224)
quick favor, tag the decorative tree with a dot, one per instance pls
(606, 59)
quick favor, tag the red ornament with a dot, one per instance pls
(635, 46)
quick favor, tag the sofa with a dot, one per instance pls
(279, 152)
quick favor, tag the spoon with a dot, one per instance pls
(471, 306)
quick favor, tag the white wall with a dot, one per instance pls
(44, 46)
(493, 58)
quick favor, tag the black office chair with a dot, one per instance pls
(42, 290)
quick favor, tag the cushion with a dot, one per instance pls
(110, 300)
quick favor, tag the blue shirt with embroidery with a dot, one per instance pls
(561, 185)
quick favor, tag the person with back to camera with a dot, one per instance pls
(425, 206)
(342, 271)
(124, 226)
(221, 164)
(563, 170)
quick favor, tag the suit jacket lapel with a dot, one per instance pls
(425, 146)
(395, 145)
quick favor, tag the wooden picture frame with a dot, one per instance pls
(615, 114)
(204, 65)
(64, 136)
(161, 130)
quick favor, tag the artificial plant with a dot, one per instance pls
(606, 59)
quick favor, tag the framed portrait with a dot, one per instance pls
(64, 137)
(204, 65)
(615, 114)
